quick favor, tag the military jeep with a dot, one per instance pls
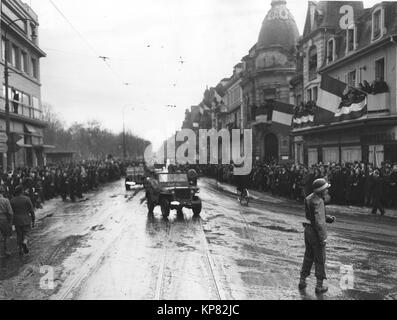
(172, 191)
(135, 175)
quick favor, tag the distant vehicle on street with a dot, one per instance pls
(172, 191)
(135, 175)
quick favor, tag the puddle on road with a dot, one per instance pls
(249, 263)
(275, 228)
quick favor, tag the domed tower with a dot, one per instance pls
(278, 28)
(270, 66)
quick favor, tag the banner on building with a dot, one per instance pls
(303, 121)
(282, 113)
(338, 101)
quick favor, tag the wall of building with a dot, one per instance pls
(365, 70)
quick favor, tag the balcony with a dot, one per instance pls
(22, 112)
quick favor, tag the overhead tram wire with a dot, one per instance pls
(86, 42)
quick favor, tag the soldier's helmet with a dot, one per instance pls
(320, 185)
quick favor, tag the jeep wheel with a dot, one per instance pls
(127, 187)
(150, 204)
(197, 209)
(165, 207)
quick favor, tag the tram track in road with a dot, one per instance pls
(161, 273)
(218, 288)
(206, 254)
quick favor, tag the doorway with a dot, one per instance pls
(271, 147)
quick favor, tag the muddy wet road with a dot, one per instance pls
(108, 247)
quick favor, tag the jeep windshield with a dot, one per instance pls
(171, 178)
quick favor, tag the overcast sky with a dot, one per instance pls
(146, 41)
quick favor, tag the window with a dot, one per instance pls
(15, 57)
(298, 99)
(269, 93)
(315, 93)
(376, 155)
(36, 103)
(24, 61)
(34, 68)
(377, 24)
(331, 154)
(309, 95)
(331, 50)
(351, 78)
(15, 97)
(351, 154)
(312, 63)
(26, 99)
(380, 69)
(351, 38)
(312, 154)
(3, 49)
(33, 34)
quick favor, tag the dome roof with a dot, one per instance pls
(278, 28)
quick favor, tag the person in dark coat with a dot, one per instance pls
(393, 186)
(24, 218)
(6, 215)
(368, 187)
(377, 190)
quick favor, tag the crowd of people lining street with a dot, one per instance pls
(25, 189)
(352, 184)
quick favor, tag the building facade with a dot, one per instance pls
(19, 36)
(230, 114)
(266, 75)
(344, 41)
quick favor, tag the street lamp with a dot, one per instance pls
(124, 143)
(6, 75)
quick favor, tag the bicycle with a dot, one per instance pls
(244, 197)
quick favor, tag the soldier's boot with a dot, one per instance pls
(320, 288)
(302, 283)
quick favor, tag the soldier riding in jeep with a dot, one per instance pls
(172, 191)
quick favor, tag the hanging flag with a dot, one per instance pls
(282, 113)
(337, 101)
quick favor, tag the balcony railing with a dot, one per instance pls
(22, 110)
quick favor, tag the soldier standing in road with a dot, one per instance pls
(24, 218)
(315, 235)
(5, 221)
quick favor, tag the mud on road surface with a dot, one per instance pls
(108, 247)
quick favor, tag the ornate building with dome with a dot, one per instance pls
(267, 71)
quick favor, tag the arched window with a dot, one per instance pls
(312, 62)
(378, 18)
(351, 38)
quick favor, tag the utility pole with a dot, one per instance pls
(124, 145)
(7, 106)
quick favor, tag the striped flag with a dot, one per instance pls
(282, 113)
(303, 121)
(335, 105)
